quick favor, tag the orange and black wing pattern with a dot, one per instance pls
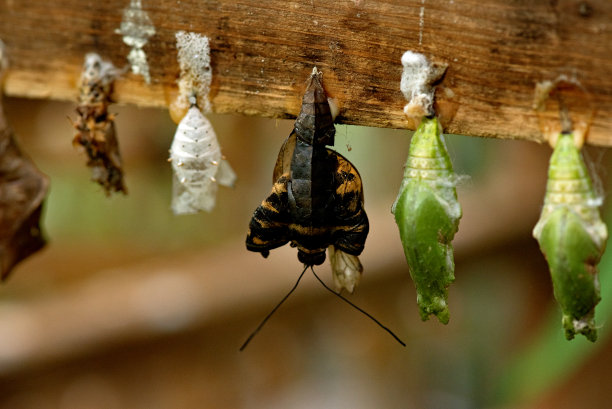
(269, 226)
(352, 224)
(339, 219)
(317, 196)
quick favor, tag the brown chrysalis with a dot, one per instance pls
(96, 127)
(22, 191)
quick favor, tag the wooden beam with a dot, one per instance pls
(263, 51)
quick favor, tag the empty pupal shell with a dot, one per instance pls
(346, 269)
(197, 164)
(95, 126)
(136, 28)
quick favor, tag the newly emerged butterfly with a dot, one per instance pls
(96, 127)
(198, 164)
(317, 197)
(316, 202)
(427, 213)
(572, 237)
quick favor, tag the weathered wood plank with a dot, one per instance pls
(262, 52)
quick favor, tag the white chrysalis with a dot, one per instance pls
(195, 153)
(197, 164)
(346, 269)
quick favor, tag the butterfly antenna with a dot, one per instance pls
(357, 308)
(263, 322)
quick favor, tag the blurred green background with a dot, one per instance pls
(130, 306)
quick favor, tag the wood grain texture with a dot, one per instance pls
(263, 52)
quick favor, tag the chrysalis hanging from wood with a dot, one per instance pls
(317, 197)
(96, 127)
(197, 163)
(22, 191)
(572, 237)
(426, 209)
(427, 213)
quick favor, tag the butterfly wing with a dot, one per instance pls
(268, 228)
(352, 226)
(283, 161)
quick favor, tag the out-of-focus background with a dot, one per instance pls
(130, 306)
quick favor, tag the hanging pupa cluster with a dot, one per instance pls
(316, 203)
(572, 237)
(95, 125)
(197, 163)
(426, 210)
(22, 192)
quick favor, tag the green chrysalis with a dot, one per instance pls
(427, 213)
(572, 237)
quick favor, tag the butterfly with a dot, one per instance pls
(572, 237)
(317, 196)
(316, 202)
